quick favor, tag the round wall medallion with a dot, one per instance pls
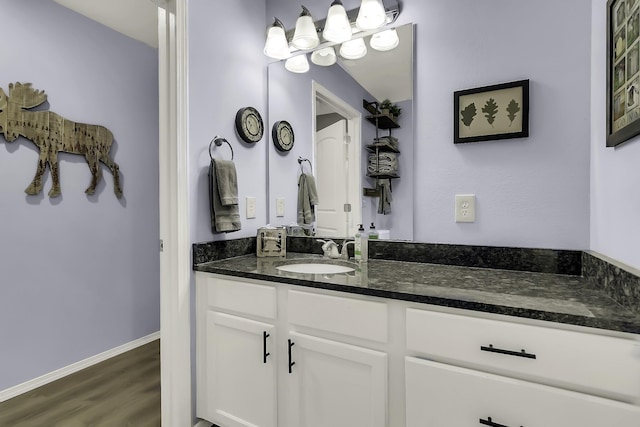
(249, 124)
(282, 134)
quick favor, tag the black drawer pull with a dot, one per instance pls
(265, 335)
(521, 353)
(291, 363)
(489, 422)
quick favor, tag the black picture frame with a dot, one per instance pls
(623, 70)
(493, 112)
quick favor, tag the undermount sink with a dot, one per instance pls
(315, 268)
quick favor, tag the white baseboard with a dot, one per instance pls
(78, 366)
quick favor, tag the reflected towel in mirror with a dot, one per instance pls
(307, 198)
(384, 204)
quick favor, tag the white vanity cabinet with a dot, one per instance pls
(273, 354)
(235, 346)
(276, 356)
(468, 371)
(440, 395)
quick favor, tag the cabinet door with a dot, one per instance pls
(335, 384)
(439, 395)
(240, 376)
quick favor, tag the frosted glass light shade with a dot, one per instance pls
(276, 45)
(305, 36)
(371, 15)
(297, 64)
(324, 57)
(385, 40)
(353, 49)
(337, 27)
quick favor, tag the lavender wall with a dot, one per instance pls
(227, 71)
(614, 171)
(78, 273)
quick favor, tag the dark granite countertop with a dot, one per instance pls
(544, 296)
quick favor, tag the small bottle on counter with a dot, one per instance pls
(361, 252)
(373, 233)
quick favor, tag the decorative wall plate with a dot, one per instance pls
(249, 124)
(282, 134)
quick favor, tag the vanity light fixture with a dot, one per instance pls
(276, 45)
(385, 40)
(353, 49)
(371, 15)
(324, 57)
(337, 27)
(297, 64)
(305, 36)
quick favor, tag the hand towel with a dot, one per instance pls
(227, 182)
(384, 204)
(224, 219)
(307, 198)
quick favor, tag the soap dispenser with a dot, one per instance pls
(373, 233)
(360, 246)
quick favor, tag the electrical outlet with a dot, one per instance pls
(251, 207)
(280, 206)
(465, 208)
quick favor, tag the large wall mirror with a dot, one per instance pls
(325, 109)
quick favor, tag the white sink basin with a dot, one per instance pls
(315, 268)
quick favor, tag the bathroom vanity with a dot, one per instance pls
(408, 344)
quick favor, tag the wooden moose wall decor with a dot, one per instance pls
(53, 134)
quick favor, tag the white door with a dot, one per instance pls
(335, 384)
(439, 395)
(332, 180)
(241, 372)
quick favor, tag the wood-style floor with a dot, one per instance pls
(119, 392)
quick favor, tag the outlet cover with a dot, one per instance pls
(465, 208)
(251, 207)
(280, 206)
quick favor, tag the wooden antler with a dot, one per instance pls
(26, 96)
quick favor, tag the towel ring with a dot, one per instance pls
(218, 140)
(301, 160)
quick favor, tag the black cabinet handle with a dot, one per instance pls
(291, 363)
(489, 422)
(521, 353)
(265, 335)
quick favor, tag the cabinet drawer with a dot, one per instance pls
(241, 297)
(443, 395)
(345, 316)
(591, 363)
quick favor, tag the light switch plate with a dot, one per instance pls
(280, 206)
(465, 208)
(251, 207)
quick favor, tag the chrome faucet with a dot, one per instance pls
(330, 248)
(344, 252)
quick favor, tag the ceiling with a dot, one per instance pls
(134, 18)
(386, 75)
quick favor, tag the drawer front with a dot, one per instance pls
(442, 395)
(241, 297)
(591, 363)
(346, 316)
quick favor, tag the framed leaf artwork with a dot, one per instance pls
(491, 112)
(623, 71)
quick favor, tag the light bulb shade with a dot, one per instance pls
(305, 36)
(276, 45)
(353, 49)
(324, 57)
(371, 15)
(337, 27)
(385, 40)
(297, 64)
